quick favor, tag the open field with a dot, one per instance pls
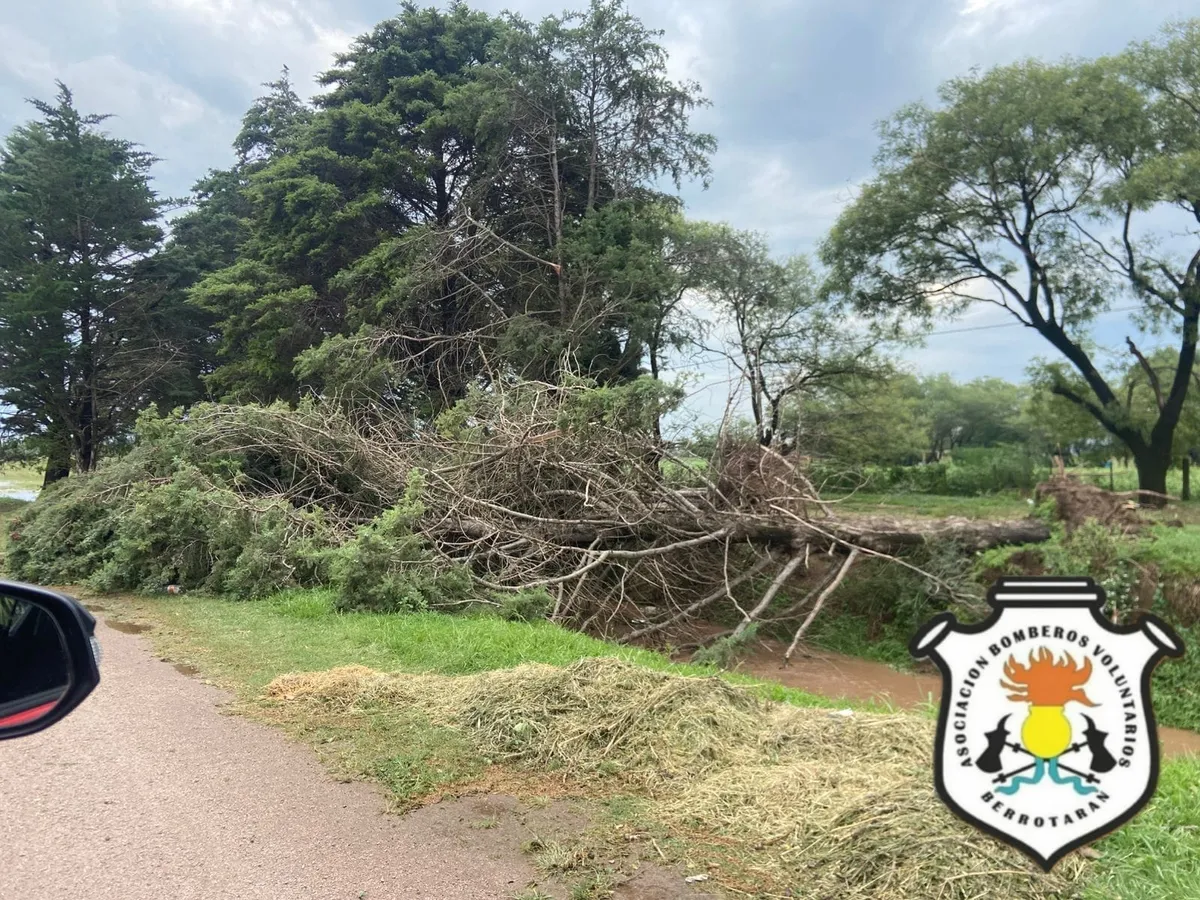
(992, 506)
(21, 482)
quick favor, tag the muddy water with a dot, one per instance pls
(834, 675)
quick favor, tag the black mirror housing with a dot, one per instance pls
(39, 684)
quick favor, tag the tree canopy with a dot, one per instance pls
(91, 330)
(472, 194)
(1032, 187)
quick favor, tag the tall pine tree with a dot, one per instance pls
(88, 332)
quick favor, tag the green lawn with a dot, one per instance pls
(990, 506)
(251, 643)
(1157, 855)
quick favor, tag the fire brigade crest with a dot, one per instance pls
(1046, 738)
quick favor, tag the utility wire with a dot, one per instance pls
(1015, 324)
(731, 379)
(873, 342)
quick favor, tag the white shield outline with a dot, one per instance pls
(924, 645)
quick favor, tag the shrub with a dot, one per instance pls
(525, 606)
(166, 513)
(878, 608)
(64, 537)
(388, 567)
(979, 470)
(970, 472)
(724, 651)
(1104, 554)
(1093, 549)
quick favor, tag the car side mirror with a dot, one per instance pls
(49, 658)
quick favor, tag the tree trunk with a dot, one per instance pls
(1152, 476)
(1186, 468)
(58, 465)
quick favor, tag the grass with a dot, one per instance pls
(1157, 855)
(1125, 478)
(774, 781)
(1176, 685)
(20, 477)
(856, 635)
(1175, 551)
(990, 506)
(252, 643)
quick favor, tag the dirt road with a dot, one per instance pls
(148, 791)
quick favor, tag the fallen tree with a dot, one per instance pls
(522, 489)
(878, 534)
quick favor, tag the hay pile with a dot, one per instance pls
(831, 806)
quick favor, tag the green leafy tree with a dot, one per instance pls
(574, 114)
(1060, 427)
(212, 236)
(863, 421)
(1141, 396)
(784, 339)
(337, 202)
(273, 126)
(443, 215)
(1030, 188)
(90, 331)
(984, 412)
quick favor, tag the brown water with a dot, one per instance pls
(834, 675)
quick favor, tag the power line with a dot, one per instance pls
(1015, 324)
(874, 342)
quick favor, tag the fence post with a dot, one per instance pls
(1186, 494)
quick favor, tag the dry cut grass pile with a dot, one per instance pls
(825, 804)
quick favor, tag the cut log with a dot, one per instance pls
(893, 536)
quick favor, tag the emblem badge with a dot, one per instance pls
(1046, 738)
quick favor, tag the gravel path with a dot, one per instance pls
(148, 791)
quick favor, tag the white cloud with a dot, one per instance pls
(763, 190)
(104, 83)
(245, 16)
(985, 29)
(24, 57)
(688, 57)
(109, 84)
(999, 18)
(256, 38)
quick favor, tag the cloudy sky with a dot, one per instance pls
(797, 87)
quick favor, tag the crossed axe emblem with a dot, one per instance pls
(990, 760)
